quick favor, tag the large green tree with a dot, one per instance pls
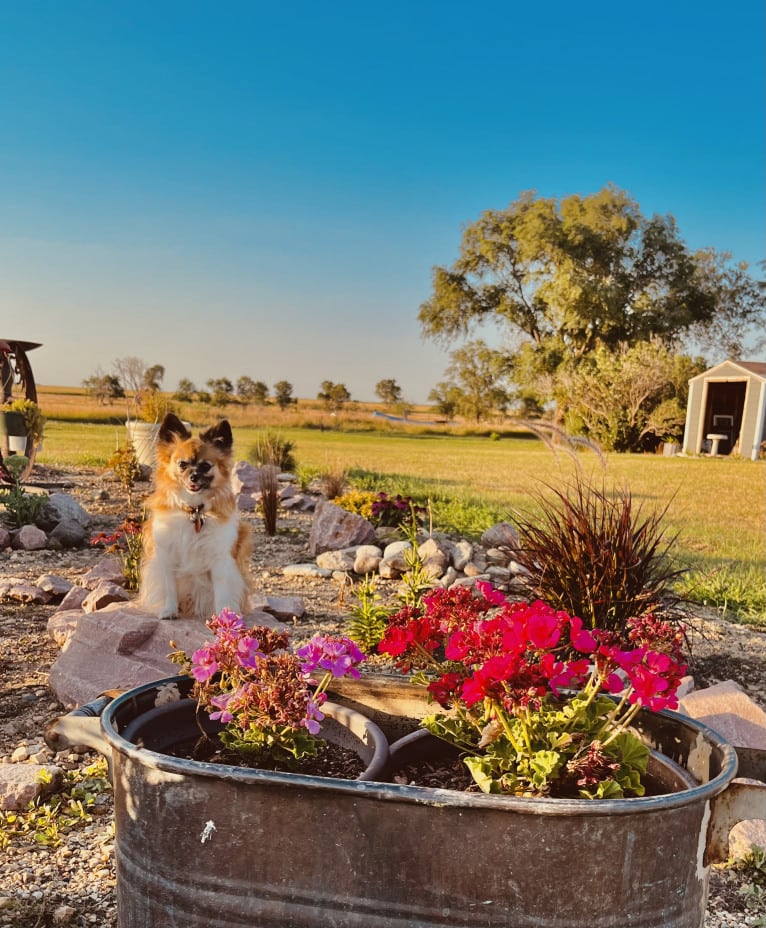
(563, 277)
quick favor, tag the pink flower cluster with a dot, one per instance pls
(247, 679)
(516, 654)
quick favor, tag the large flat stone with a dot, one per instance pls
(121, 646)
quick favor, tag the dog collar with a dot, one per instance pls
(196, 515)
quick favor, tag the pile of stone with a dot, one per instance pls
(345, 542)
(61, 523)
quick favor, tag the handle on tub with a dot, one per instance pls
(740, 802)
(82, 726)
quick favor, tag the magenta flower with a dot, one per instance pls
(204, 663)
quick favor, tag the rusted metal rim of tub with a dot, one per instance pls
(720, 751)
(128, 706)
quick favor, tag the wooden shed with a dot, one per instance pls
(726, 411)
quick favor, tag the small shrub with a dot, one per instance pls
(358, 501)
(334, 483)
(271, 448)
(305, 475)
(44, 822)
(596, 556)
(396, 512)
(126, 468)
(21, 507)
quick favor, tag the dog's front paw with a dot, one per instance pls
(168, 614)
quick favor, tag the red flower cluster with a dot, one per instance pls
(515, 654)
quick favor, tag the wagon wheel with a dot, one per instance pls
(15, 370)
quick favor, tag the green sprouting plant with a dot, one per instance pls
(596, 556)
(45, 821)
(369, 617)
(415, 580)
(20, 506)
(305, 474)
(753, 892)
(272, 448)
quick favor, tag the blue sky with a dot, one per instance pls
(235, 189)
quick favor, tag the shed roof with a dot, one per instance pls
(748, 368)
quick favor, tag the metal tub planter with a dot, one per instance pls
(205, 845)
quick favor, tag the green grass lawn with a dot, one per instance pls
(717, 506)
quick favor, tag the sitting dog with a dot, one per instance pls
(196, 551)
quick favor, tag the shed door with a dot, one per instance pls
(726, 404)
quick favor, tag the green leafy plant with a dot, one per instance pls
(596, 556)
(369, 616)
(753, 892)
(529, 719)
(20, 506)
(272, 448)
(45, 821)
(266, 698)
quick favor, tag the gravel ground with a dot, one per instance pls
(71, 882)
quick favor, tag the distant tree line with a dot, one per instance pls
(603, 315)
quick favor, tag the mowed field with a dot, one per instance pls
(717, 506)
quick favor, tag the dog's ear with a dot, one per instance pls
(171, 428)
(219, 435)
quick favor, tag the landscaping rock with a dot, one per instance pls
(21, 784)
(61, 625)
(58, 587)
(24, 592)
(334, 528)
(103, 595)
(73, 599)
(29, 538)
(68, 534)
(338, 560)
(501, 535)
(367, 559)
(462, 554)
(109, 569)
(727, 709)
(5, 538)
(308, 571)
(60, 507)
